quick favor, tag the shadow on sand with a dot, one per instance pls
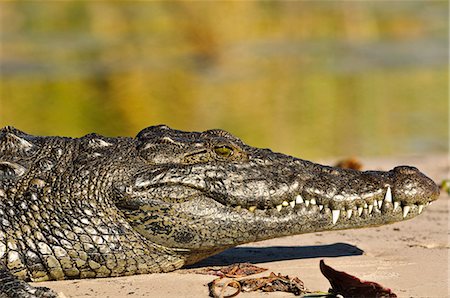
(278, 253)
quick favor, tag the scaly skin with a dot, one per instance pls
(97, 206)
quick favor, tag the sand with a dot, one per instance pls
(409, 257)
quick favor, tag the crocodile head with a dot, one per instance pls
(202, 192)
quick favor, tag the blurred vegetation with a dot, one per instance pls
(312, 79)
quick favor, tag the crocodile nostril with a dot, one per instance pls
(406, 170)
(412, 186)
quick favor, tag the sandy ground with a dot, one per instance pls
(410, 257)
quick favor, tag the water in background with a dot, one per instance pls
(308, 79)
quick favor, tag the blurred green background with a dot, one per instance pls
(312, 79)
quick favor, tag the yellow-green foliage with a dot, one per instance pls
(306, 78)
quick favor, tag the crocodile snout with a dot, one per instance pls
(410, 186)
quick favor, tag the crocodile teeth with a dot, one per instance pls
(335, 214)
(279, 207)
(298, 199)
(406, 211)
(380, 203)
(360, 210)
(370, 208)
(365, 205)
(238, 208)
(313, 202)
(252, 208)
(307, 203)
(320, 207)
(292, 203)
(420, 208)
(349, 213)
(285, 204)
(396, 205)
(388, 196)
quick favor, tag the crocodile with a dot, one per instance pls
(100, 206)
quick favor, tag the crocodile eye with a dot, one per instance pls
(223, 151)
